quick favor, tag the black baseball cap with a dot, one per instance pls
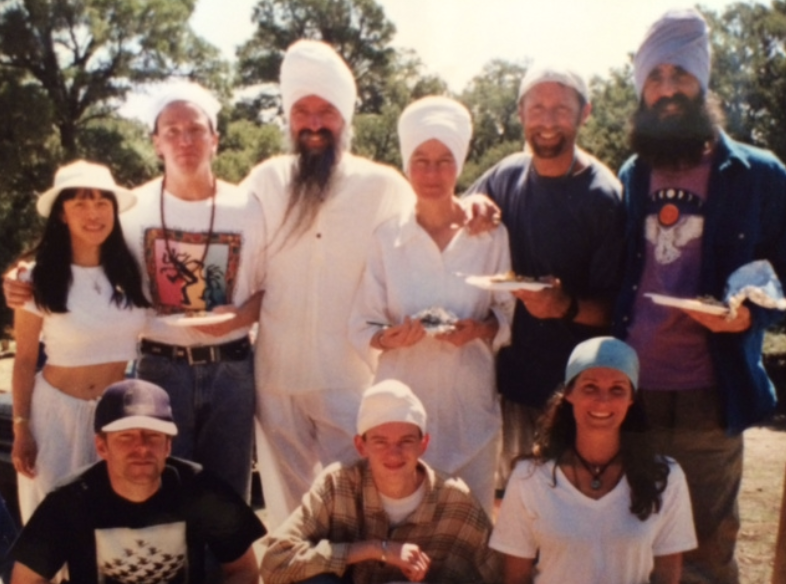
(134, 404)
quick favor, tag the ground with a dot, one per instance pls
(760, 500)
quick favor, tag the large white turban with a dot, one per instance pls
(315, 68)
(435, 118)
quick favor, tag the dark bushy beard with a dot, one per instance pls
(674, 141)
(313, 171)
(314, 167)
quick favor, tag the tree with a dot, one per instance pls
(613, 102)
(357, 29)
(244, 144)
(749, 71)
(492, 99)
(87, 54)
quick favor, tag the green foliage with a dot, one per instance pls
(357, 29)
(749, 71)
(244, 144)
(613, 102)
(492, 98)
(87, 54)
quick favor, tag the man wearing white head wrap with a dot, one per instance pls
(321, 205)
(416, 262)
(564, 213)
(387, 517)
(199, 242)
(700, 205)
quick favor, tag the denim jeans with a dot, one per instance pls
(213, 407)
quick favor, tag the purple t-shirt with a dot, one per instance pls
(672, 347)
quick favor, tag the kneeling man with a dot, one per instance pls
(138, 515)
(386, 518)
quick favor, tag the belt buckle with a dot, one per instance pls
(201, 355)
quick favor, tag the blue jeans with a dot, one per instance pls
(213, 407)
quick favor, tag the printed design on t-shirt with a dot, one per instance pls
(150, 555)
(180, 281)
(674, 219)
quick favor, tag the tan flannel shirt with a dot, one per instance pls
(343, 506)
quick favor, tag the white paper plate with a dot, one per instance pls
(487, 283)
(688, 304)
(183, 320)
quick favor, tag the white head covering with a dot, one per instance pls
(82, 174)
(390, 401)
(435, 117)
(545, 73)
(189, 92)
(315, 68)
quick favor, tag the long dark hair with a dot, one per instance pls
(53, 256)
(647, 472)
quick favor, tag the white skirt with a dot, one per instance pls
(62, 426)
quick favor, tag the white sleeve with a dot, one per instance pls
(370, 305)
(502, 303)
(676, 533)
(513, 534)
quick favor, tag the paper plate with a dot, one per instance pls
(688, 304)
(488, 283)
(183, 320)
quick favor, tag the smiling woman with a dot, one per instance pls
(88, 309)
(593, 498)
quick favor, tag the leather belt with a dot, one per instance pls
(201, 354)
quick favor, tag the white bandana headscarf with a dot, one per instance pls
(438, 118)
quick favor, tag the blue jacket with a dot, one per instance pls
(745, 220)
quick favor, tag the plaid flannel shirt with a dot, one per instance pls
(343, 506)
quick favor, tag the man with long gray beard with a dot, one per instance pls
(321, 204)
(700, 205)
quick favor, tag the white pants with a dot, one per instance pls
(63, 430)
(301, 434)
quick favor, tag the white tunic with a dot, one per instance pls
(585, 541)
(311, 277)
(407, 273)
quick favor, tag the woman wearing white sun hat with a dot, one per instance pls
(419, 261)
(88, 308)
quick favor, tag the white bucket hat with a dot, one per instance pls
(84, 175)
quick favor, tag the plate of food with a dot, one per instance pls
(436, 320)
(506, 282)
(705, 304)
(197, 318)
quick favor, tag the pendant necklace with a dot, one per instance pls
(595, 470)
(169, 251)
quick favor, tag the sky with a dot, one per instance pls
(456, 38)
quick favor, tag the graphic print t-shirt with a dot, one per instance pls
(672, 347)
(105, 539)
(190, 267)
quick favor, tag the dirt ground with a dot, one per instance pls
(760, 500)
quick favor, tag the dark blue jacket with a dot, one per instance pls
(745, 220)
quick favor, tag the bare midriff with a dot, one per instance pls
(85, 382)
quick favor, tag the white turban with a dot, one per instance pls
(315, 68)
(189, 92)
(438, 118)
(554, 73)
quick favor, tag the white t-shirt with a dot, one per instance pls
(406, 272)
(232, 268)
(95, 329)
(585, 541)
(311, 278)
